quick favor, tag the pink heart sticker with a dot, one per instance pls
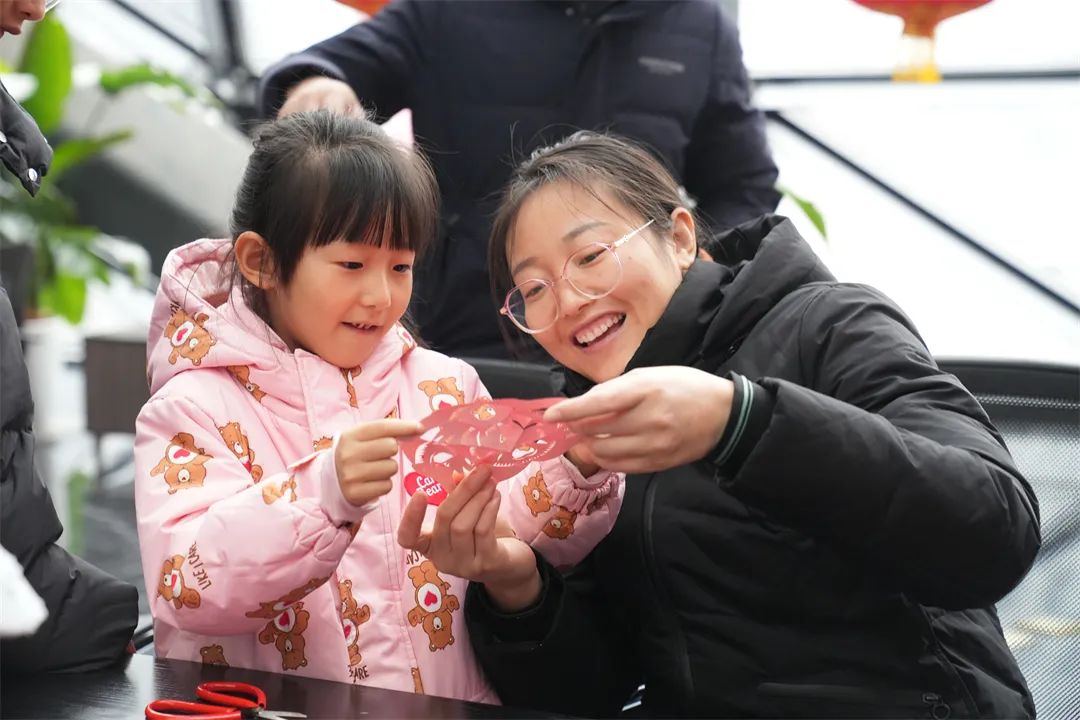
(436, 492)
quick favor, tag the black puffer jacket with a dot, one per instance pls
(848, 567)
(91, 614)
(489, 81)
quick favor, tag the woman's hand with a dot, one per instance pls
(649, 419)
(321, 93)
(366, 458)
(471, 541)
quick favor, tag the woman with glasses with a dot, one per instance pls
(818, 520)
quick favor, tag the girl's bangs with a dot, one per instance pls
(373, 199)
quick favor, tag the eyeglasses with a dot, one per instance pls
(593, 271)
(50, 4)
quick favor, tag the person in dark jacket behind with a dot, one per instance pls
(92, 615)
(817, 521)
(490, 81)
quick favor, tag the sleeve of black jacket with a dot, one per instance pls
(892, 461)
(377, 58)
(558, 655)
(729, 168)
(23, 149)
(92, 615)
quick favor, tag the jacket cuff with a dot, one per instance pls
(280, 79)
(751, 412)
(532, 624)
(599, 479)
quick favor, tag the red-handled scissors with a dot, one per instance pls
(224, 701)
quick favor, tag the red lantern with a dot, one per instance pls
(921, 18)
(368, 7)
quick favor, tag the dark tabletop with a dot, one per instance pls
(124, 691)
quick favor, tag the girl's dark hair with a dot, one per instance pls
(314, 178)
(597, 163)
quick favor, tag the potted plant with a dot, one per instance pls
(49, 257)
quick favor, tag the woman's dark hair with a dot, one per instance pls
(597, 163)
(314, 178)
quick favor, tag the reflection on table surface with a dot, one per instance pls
(125, 690)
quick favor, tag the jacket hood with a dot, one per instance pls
(757, 264)
(200, 320)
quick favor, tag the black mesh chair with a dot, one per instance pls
(1037, 410)
(512, 379)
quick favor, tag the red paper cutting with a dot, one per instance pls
(505, 434)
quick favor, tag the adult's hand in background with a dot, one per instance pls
(321, 93)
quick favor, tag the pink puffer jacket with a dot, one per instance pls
(252, 556)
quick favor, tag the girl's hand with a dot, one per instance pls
(649, 419)
(580, 457)
(469, 540)
(366, 458)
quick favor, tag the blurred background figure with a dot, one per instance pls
(91, 615)
(488, 82)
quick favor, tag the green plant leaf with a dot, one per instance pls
(808, 208)
(48, 58)
(78, 236)
(99, 269)
(66, 262)
(116, 81)
(64, 295)
(50, 207)
(76, 254)
(72, 152)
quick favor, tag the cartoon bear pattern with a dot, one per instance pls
(350, 375)
(183, 464)
(442, 393)
(213, 655)
(435, 605)
(172, 587)
(237, 441)
(353, 615)
(242, 373)
(188, 336)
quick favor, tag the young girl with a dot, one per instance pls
(269, 482)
